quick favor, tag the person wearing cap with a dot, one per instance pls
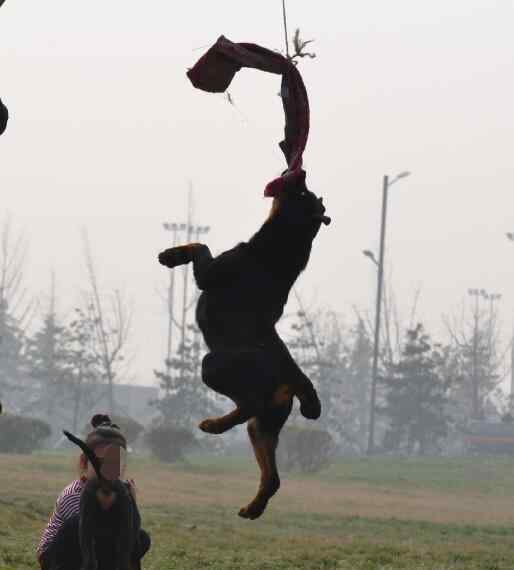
(101, 440)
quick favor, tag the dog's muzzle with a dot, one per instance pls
(324, 219)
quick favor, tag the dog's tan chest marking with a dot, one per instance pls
(275, 206)
(283, 395)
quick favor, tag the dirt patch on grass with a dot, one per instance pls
(43, 477)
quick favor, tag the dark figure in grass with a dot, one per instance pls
(96, 524)
(244, 291)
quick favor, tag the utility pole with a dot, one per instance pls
(174, 228)
(371, 434)
(374, 374)
(184, 287)
(196, 330)
(178, 230)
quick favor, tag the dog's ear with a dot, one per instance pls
(88, 452)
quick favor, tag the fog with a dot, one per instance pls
(106, 132)
(109, 146)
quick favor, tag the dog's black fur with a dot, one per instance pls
(244, 291)
(98, 539)
(4, 116)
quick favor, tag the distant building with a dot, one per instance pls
(132, 401)
(490, 437)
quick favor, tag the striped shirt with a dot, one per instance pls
(66, 506)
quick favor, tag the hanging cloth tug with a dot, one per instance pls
(214, 72)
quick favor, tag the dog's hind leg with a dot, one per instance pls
(263, 432)
(240, 376)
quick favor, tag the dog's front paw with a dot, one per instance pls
(175, 256)
(310, 410)
(212, 426)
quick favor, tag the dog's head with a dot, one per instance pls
(297, 205)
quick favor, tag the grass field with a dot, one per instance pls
(359, 514)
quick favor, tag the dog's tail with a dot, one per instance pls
(88, 452)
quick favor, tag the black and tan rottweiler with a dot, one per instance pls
(244, 291)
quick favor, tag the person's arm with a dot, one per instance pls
(49, 533)
(66, 506)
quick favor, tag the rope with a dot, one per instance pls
(285, 27)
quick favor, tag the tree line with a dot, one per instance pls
(429, 391)
(58, 369)
(52, 367)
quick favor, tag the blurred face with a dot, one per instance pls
(112, 465)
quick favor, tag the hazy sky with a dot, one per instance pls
(106, 131)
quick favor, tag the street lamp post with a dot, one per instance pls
(385, 190)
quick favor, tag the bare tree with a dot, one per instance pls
(337, 360)
(13, 255)
(85, 364)
(112, 321)
(47, 362)
(63, 361)
(394, 323)
(475, 333)
(16, 310)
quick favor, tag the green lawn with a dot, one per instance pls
(359, 514)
